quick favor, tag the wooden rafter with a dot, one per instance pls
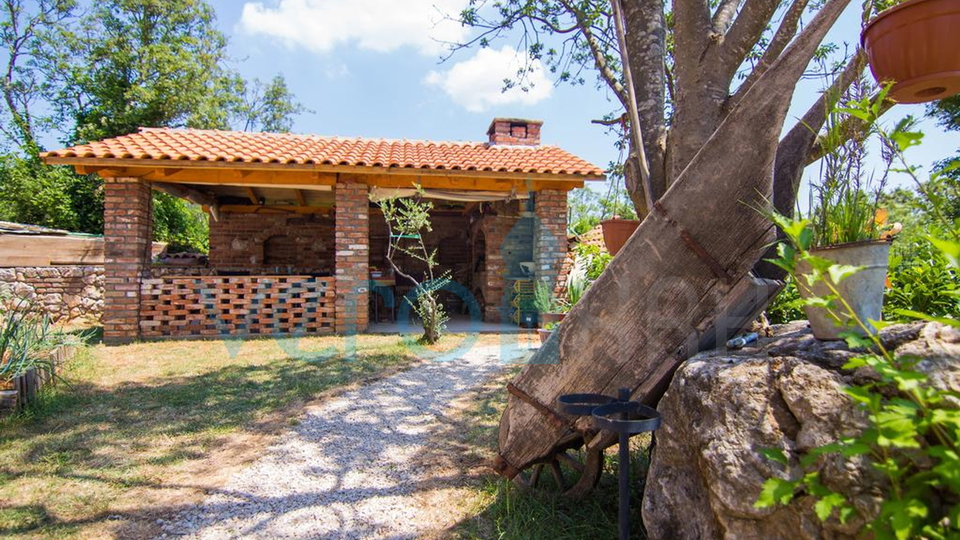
(294, 167)
(274, 209)
(252, 195)
(193, 195)
(301, 198)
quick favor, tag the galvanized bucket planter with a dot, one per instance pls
(863, 290)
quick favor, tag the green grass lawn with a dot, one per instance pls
(137, 432)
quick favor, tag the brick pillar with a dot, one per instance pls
(127, 235)
(352, 256)
(550, 236)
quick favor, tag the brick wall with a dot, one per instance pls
(127, 229)
(237, 306)
(272, 244)
(352, 212)
(502, 244)
(62, 292)
(550, 237)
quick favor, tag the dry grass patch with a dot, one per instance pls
(144, 430)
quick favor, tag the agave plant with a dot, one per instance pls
(24, 338)
(577, 281)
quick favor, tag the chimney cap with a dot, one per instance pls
(525, 121)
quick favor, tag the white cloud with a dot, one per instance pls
(477, 84)
(376, 25)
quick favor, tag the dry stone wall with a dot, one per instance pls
(62, 292)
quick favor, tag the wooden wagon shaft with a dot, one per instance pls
(668, 284)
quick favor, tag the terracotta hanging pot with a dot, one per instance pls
(616, 232)
(916, 45)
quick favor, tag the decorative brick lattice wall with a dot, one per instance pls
(62, 292)
(127, 229)
(236, 306)
(352, 256)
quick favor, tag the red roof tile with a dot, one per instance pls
(244, 147)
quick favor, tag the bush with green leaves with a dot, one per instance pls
(912, 434)
(913, 428)
(786, 306)
(926, 283)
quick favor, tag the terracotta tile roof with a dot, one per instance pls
(165, 144)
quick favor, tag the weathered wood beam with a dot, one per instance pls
(274, 209)
(468, 208)
(86, 169)
(252, 195)
(195, 196)
(301, 198)
(154, 164)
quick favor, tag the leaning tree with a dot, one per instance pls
(692, 62)
(713, 81)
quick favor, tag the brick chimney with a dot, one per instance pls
(515, 131)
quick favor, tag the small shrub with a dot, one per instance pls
(787, 306)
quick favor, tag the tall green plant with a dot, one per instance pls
(913, 428)
(24, 337)
(843, 209)
(913, 432)
(408, 218)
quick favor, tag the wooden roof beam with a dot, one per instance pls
(301, 198)
(188, 193)
(252, 195)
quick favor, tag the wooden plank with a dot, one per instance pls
(273, 209)
(152, 165)
(301, 198)
(653, 304)
(39, 250)
(252, 195)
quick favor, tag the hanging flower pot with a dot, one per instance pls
(863, 291)
(616, 232)
(916, 45)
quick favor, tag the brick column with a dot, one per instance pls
(352, 256)
(127, 235)
(550, 236)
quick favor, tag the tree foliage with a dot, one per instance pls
(693, 62)
(122, 65)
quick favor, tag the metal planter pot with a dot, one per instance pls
(863, 290)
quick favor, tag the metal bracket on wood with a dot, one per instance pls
(552, 416)
(695, 246)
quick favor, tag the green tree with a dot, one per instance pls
(268, 107)
(124, 64)
(692, 63)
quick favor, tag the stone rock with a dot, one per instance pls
(7, 274)
(722, 407)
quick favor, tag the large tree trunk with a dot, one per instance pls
(647, 311)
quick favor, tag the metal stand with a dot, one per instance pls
(623, 417)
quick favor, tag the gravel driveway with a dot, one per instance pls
(347, 470)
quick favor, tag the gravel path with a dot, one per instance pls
(347, 470)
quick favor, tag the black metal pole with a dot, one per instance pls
(624, 473)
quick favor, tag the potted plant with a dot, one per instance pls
(916, 45)
(547, 305)
(545, 332)
(616, 232)
(845, 227)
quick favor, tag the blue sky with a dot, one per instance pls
(372, 68)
